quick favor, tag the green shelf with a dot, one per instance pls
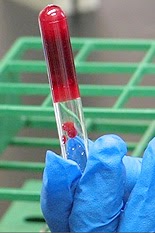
(117, 79)
(24, 216)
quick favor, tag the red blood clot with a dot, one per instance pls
(70, 129)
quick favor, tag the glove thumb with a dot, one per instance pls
(60, 179)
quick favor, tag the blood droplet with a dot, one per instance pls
(70, 129)
(64, 139)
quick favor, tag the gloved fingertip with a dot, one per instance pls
(150, 148)
(148, 163)
(58, 169)
(50, 155)
(110, 145)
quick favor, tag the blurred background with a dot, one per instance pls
(96, 18)
(93, 18)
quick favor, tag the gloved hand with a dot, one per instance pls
(96, 199)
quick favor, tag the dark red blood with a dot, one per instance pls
(70, 129)
(58, 52)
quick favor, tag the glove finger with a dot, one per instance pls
(139, 213)
(133, 169)
(59, 182)
(98, 198)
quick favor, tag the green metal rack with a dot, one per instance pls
(116, 77)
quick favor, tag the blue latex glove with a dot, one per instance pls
(94, 200)
(139, 212)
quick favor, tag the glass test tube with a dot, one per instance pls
(62, 78)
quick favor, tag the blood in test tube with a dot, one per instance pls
(59, 55)
(70, 129)
(62, 76)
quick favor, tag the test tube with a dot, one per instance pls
(62, 79)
